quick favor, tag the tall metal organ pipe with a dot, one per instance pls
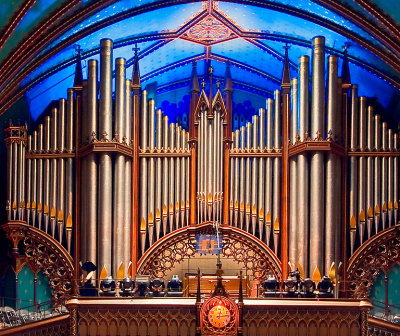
(69, 177)
(105, 162)
(384, 188)
(370, 171)
(268, 173)
(53, 172)
(61, 170)
(377, 172)
(261, 173)
(317, 158)
(143, 173)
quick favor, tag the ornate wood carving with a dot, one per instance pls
(236, 244)
(45, 253)
(378, 254)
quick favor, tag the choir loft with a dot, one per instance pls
(200, 168)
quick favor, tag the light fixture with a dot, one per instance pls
(157, 286)
(126, 286)
(325, 287)
(175, 286)
(107, 286)
(270, 286)
(308, 288)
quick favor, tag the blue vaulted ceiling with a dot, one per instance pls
(259, 31)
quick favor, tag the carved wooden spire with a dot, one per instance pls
(78, 69)
(286, 71)
(136, 73)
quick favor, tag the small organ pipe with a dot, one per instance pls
(15, 157)
(248, 186)
(254, 179)
(53, 172)
(384, 189)
(177, 176)
(370, 171)
(277, 167)
(235, 171)
(28, 180)
(377, 173)
(260, 183)
(10, 177)
(21, 179)
(396, 178)
(268, 174)
(34, 179)
(232, 211)
(105, 162)
(303, 166)
(390, 178)
(183, 180)
(159, 180)
(40, 177)
(242, 181)
(151, 170)
(46, 189)
(353, 167)
(61, 169)
(187, 207)
(165, 191)
(171, 177)
(362, 215)
(317, 158)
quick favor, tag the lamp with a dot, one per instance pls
(308, 288)
(175, 286)
(270, 286)
(126, 286)
(325, 287)
(142, 283)
(157, 286)
(107, 286)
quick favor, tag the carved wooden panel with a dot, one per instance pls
(44, 253)
(236, 244)
(376, 255)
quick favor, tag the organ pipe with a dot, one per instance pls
(384, 188)
(254, 179)
(362, 214)
(46, 187)
(377, 173)
(61, 169)
(261, 195)
(69, 167)
(159, 181)
(390, 183)
(165, 191)
(370, 171)
(39, 182)
(268, 174)
(53, 172)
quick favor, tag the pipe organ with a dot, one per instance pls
(75, 176)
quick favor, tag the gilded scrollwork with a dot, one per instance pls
(376, 255)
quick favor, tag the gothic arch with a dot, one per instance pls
(377, 254)
(237, 244)
(44, 253)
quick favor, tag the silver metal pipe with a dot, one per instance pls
(384, 189)
(218, 194)
(235, 173)
(242, 180)
(183, 179)
(61, 169)
(390, 178)
(232, 184)
(353, 167)
(46, 188)
(370, 171)
(377, 173)
(105, 162)
(333, 169)
(128, 176)
(159, 180)
(317, 158)
(53, 172)
(119, 167)
(151, 178)
(277, 166)
(214, 166)
(171, 177)
(268, 173)
(248, 180)
(187, 207)
(34, 178)
(21, 180)
(303, 167)
(15, 179)
(177, 175)
(254, 178)
(10, 171)
(293, 226)
(143, 172)
(362, 172)
(39, 186)
(209, 165)
(261, 196)
(165, 184)
(28, 181)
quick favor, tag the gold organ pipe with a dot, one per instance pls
(39, 189)
(261, 195)
(46, 189)
(317, 158)
(390, 178)
(268, 173)
(128, 176)
(159, 180)
(370, 171)
(151, 172)
(353, 167)
(34, 179)
(61, 169)
(242, 176)
(165, 191)
(105, 162)
(303, 166)
(92, 169)
(293, 226)
(362, 213)
(384, 188)
(248, 180)
(254, 179)
(171, 177)
(69, 167)
(235, 171)
(143, 173)
(119, 167)
(333, 169)
(277, 170)
(377, 172)
(177, 176)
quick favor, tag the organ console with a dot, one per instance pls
(122, 175)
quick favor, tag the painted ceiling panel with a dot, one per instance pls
(39, 10)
